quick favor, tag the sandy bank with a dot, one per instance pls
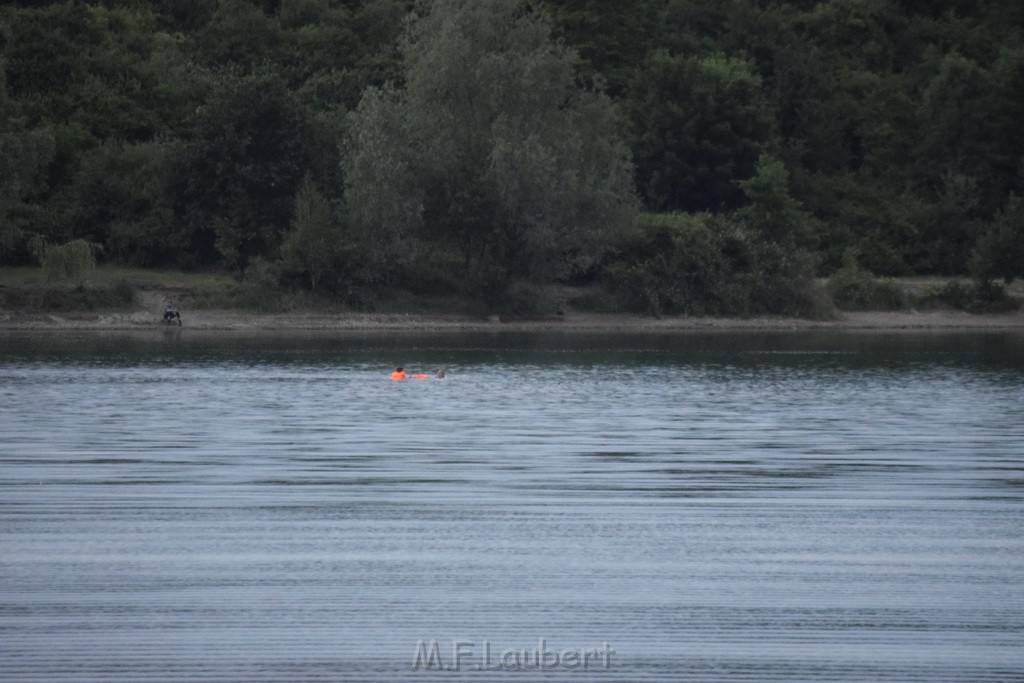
(213, 320)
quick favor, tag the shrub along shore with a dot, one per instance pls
(132, 299)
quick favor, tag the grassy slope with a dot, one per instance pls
(125, 289)
(112, 288)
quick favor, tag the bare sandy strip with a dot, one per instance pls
(213, 320)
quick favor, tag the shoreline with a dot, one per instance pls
(572, 322)
(153, 289)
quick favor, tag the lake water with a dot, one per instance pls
(705, 507)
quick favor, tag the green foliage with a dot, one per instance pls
(90, 74)
(977, 297)
(239, 34)
(699, 125)
(999, 253)
(612, 37)
(524, 300)
(951, 226)
(380, 186)
(682, 263)
(771, 210)
(184, 15)
(120, 199)
(711, 265)
(687, 27)
(236, 178)
(259, 286)
(853, 288)
(957, 295)
(80, 297)
(960, 135)
(490, 153)
(315, 246)
(882, 223)
(71, 262)
(177, 132)
(24, 155)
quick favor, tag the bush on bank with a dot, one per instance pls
(704, 264)
(853, 288)
(973, 297)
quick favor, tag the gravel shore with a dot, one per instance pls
(213, 320)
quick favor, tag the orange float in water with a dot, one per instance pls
(399, 374)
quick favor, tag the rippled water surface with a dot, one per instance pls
(695, 507)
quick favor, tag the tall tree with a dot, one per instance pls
(612, 36)
(315, 244)
(700, 124)
(1000, 252)
(24, 154)
(237, 177)
(491, 150)
(238, 34)
(772, 212)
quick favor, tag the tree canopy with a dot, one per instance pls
(507, 139)
(495, 156)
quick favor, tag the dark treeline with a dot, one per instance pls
(693, 155)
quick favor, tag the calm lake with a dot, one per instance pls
(704, 506)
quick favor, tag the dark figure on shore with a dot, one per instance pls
(170, 313)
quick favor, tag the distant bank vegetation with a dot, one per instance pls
(668, 156)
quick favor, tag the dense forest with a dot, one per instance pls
(689, 155)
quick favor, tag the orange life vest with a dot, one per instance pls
(397, 375)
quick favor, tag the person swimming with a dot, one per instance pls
(399, 374)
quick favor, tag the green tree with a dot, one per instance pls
(238, 34)
(772, 211)
(956, 125)
(1006, 143)
(94, 86)
(89, 73)
(72, 261)
(683, 264)
(699, 125)
(119, 198)
(382, 189)
(184, 15)
(24, 155)
(491, 152)
(315, 244)
(951, 226)
(879, 220)
(999, 253)
(235, 179)
(863, 33)
(687, 27)
(706, 264)
(612, 37)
